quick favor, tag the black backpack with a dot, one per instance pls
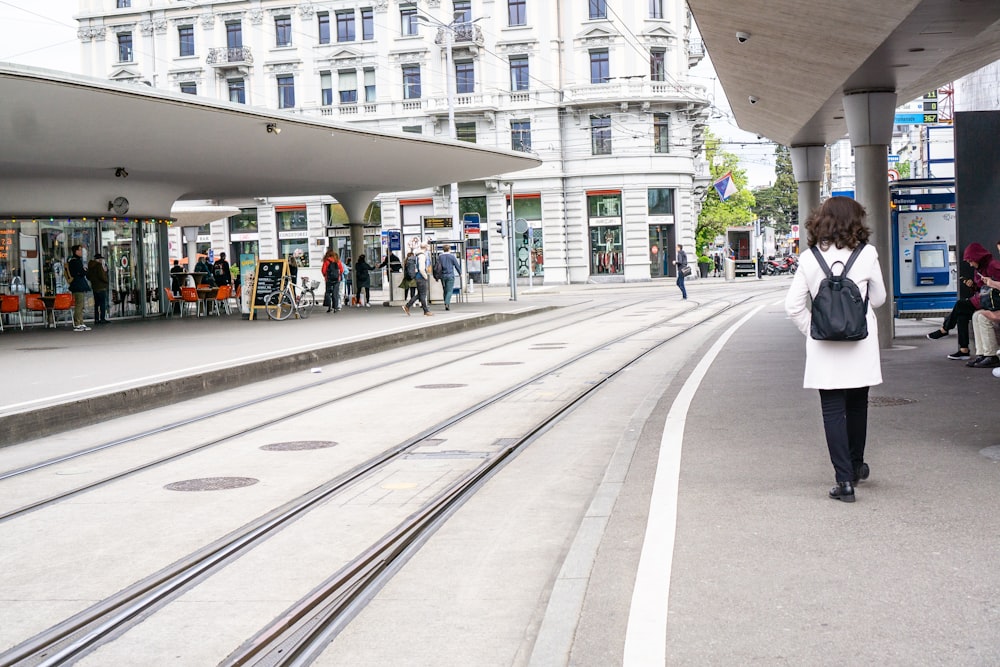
(838, 311)
(410, 268)
(437, 270)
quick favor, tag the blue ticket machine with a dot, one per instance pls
(925, 261)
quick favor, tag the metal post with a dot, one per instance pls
(511, 250)
(449, 32)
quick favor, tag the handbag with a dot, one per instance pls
(989, 298)
(686, 270)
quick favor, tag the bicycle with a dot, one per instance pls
(292, 298)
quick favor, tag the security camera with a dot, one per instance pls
(742, 37)
(752, 99)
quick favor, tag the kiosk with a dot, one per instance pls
(925, 259)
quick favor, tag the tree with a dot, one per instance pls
(716, 215)
(778, 204)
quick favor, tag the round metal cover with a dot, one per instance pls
(888, 401)
(501, 363)
(298, 445)
(441, 386)
(211, 484)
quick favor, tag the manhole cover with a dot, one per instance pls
(298, 445)
(211, 484)
(440, 386)
(501, 363)
(888, 401)
(991, 452)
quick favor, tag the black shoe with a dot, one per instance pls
(861, 472)
(958, 355)
(329, 309)
(937, 333)
(972, 364)
(447, 307)
(990, 361)
(843, 491)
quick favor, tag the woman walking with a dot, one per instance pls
(842, 371)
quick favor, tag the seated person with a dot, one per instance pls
(984, 326)
(983, 264)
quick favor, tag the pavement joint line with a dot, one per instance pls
(645, 636)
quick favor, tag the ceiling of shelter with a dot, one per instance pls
(55, 126)
(801, 56)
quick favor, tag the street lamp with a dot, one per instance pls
(511, 244)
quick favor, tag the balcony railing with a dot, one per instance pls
(464, 33)
(227, 56)
(633, 91)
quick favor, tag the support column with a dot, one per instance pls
(191, 237)
(355, 204)
(808, 165)
(870, 117)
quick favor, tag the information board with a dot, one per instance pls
(267, 278)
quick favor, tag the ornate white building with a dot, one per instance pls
(598, 89)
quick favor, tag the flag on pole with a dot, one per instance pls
(725, 186)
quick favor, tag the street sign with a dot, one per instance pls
(893, 158)
(916, 118)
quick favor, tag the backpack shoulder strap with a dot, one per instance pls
(822, 262)
(854, 256)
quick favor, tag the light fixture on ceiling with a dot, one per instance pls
(742, 37)
(272, 128)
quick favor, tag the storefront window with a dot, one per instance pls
(606, 252)
(244, 222)
(660, 201)
(297, 249)
(530, 255)
(291, 219)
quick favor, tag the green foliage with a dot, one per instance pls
(904, 169)
(776, 205)
(716, 215)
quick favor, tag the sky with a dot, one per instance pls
(42, 33)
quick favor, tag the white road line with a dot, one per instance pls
(645, 638)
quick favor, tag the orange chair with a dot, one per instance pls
(173, 301)
(10, 305)
(64, 304)
(189, 295)
(222, 300)
(35, 305)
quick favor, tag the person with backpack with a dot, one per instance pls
(409, 282)
(842, 370)
(221, 272)
(448, 267)
(78, 285)
(420, 276)
(331, 270)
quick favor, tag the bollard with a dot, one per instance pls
(730, 269)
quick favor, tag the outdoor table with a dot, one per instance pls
(206, 296)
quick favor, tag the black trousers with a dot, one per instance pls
(959, 319)
(845, 420)
(421, 295)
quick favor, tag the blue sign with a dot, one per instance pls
(917, 118)
(893, 158)
(842, 193)
(395, 242)
(471, 219)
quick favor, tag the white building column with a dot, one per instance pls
(808, 165)
(355, 204)
(870, 116)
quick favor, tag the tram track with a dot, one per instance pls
(330, 606)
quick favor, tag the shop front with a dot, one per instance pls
(607, 257)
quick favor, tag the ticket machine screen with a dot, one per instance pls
(932, 259)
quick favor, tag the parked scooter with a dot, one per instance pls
(777, 267)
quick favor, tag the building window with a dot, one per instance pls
(466, 132)
(124, 47)
(656, 9)
(657, 65)
(345, 26)
(462, 11)
(244, 222)
(516, 14)
(408, 20)
(465, 77)
(348, 86)
(598, 9)
(237, 91)
(661, 132)
(324, 27)
(519, 73)
(600, 71)
(367, 24)
(234, 34)
(369, 84)
(189, 87)
(286, 92)
(520, 135)
(290, 219)
(660, 201)
(411, 82)
(326, 88)
(600, 135)
(124, 4)
(413, 129)
(185, 35)
(283, 31)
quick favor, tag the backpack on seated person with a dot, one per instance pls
(410, 268)
(838, 310)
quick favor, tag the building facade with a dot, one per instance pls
(597, 89)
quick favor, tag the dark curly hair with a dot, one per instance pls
(840, 222)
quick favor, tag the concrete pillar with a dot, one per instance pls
(808, 165)
(191, 236)
(355, 204)
(870, 116)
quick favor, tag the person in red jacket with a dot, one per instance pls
(983, 264)
(332, 271)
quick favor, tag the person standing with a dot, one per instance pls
(176, 277)
(331, 273)
(681, 263)
(842, 371)
(97, 274)
(409, 282)
(421, 278)
(205, 270)
(450, 269)
(79, 286)
(363, 271)
(221, 271)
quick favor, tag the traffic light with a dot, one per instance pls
(500, 226)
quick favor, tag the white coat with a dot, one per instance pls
(838, 364)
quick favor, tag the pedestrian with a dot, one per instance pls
(842, 371)
(363, 270)
(97, 274)
(681, 263)
(176, 277)
(221, 272)
(717, 259)
(983, 265)
(79, 286)
(332, 273)
(348, 282)
(409, 282)
(421, 278)
(450, 268)
(391, 261)
(205, 270)
(293, 268)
